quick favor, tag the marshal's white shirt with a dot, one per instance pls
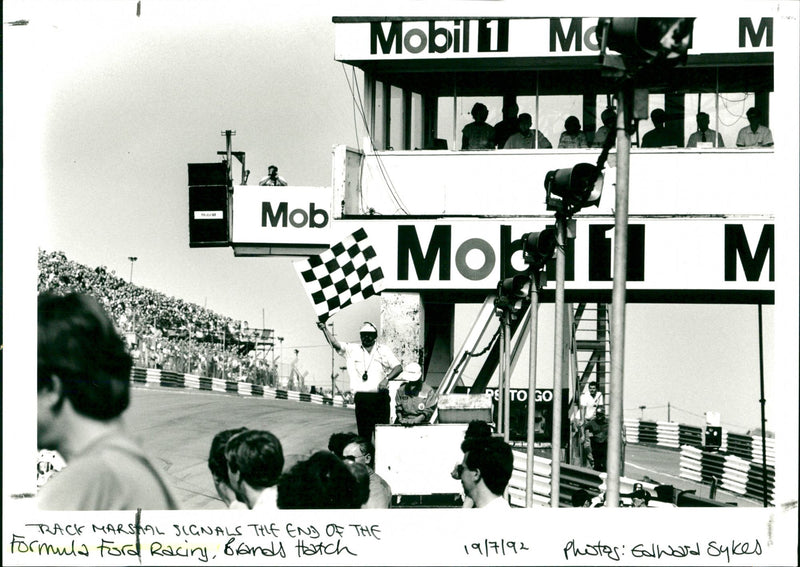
(377, 364)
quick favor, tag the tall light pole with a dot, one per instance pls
(280, 359)
(333, 370)
(132, 259)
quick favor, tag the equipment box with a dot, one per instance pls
(463, 408)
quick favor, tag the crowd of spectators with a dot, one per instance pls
(515, 131)
(247, 469)
(165, 332)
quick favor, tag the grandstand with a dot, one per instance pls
(165, 332)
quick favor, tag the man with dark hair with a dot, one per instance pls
(322, 481)
(659, 136)
(82, 391)
(272, 179)
(485, 470)
(218, 465)
(527, 137)
(704, 137)
(609, 128)
(756, 134)
(596, 429)
(255, 463)
(338, 441)
(509, 124)
(360, 450)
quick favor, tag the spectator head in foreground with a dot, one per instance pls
(360, 450)
(485, 470)
(83, 373)
(338, 441)
(83, 370)
(478, 428)
(581, 499)
(255, 463)
(218, 465)
(361, 473)
(322, 481)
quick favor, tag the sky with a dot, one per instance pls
(103, 110)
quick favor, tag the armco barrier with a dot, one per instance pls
(732, 472)
(674, 436)
(168, 379)
(667, 434)
(689, 435)
(632, 430)
(572, 479)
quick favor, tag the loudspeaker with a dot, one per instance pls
(208, 205)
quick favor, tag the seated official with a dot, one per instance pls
(415, 401)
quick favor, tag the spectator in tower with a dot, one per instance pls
(508, 125)
(82, 391)
(273, 179)
(362, 451)
(485, 471)
(478, 135)
(371, 366)
(415, 401)
(572, 137)
(322, 481)
(609, 128)
(525, 137)
(218, 465)
(597, 431)
(756, 134)
(659, 136)
(704, 137)
(255, 463)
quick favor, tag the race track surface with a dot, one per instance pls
(176, 428)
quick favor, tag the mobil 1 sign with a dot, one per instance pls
(664, 254)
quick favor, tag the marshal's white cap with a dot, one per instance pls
(368, 328)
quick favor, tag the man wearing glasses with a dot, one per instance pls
(485, 471)
(362, 451)
(370, 367)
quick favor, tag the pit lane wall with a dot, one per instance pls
(736, 467)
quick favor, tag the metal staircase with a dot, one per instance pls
(590, 359)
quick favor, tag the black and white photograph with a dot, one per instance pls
(280, 261)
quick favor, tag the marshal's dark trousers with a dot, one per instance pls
(372, 408)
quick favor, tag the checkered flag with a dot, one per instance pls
(346, 273)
